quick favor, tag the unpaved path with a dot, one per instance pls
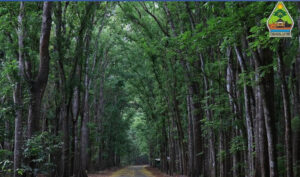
(132, 171)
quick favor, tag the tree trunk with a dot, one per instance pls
(84, 141)
(34, 110)
(266, 86)
(191, 138)
(18, 101)
(248, 114)
(287, 114)
(180, 133)
(222, 166)
(176, 109)
(164, 147)
(18, 128)
(18, 95)
(76, 127)
(84, 128)
(212, 151)
(262, 144)
(231, 90)
(64, 108)
(7, 145)
(37, 87)
(171, 147)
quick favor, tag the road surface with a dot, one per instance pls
(132, 171)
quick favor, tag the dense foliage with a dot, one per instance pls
(194, 88)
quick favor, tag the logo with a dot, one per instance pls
(280, 22)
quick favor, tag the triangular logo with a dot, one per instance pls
(280, 22)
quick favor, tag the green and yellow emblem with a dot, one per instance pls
(280, 22)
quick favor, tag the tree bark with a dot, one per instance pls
(262, 144)
(17, 95)
(18, 98)
(287, 114)
(84, 140)
(37, 86)
(266, 85)
(248, 114)
(212, 151)
(231, 90)
(191, 138)
(76, 127)
(18, 128)
(64, 106)
(84, 134)
(85, 120)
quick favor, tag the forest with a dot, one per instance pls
(197, 89)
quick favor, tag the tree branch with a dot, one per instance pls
(155, 18)
(42, 77)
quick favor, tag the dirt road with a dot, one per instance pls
(132, 171)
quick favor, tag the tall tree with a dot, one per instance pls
(18, 101)
(37, 84)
